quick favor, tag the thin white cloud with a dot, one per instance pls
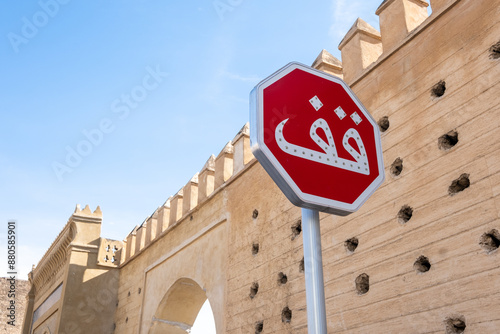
(238, 77)
(344, 15)
(346, 12)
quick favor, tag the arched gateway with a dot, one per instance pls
(179, 308)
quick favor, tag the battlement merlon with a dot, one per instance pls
(164, 216)
(224, 165)
(361, 46)
(88, 225)
(176, 207)
(242, 152)
(206, 179)
(190, 192)
(130, 243)
(152, 228)
(231, 160)
(326, 62)
(398, 18)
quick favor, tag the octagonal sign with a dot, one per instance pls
(315, 139)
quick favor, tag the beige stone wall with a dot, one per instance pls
(264, 219)
(419, 257)
(74, 287)
(195, 248)
(265, 288)
(463, 278)
(90, 295)
(22, 288)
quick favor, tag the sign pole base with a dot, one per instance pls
(313, 267)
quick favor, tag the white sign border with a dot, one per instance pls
(276, 170)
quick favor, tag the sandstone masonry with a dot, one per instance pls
(421, 256)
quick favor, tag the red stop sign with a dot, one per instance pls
(316, 140)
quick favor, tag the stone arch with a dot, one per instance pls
(179, 308)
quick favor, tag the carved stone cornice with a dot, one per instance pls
(54, 259)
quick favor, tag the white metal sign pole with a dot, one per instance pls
(285, 152)
(313, 267)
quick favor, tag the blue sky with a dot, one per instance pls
(155, 87)
(158, 86)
